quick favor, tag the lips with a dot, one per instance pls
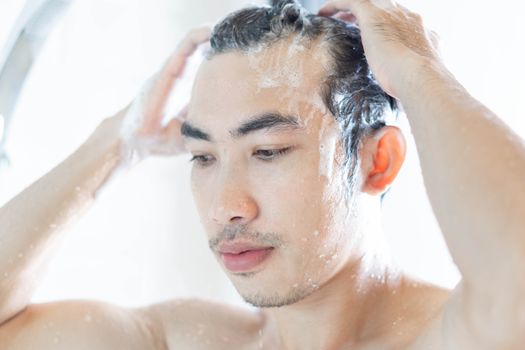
(243, 257)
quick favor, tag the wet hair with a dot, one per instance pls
(349, 91)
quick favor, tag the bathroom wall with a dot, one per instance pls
(142, 242)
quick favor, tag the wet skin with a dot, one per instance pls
(292, 201)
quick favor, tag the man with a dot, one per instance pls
(289, 165)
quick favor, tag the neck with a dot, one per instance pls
(350, 309)
(358, 303)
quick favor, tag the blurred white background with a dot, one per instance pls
(142, 241)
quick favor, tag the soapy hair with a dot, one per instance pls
(349, 90)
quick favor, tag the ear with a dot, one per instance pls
(382, 156)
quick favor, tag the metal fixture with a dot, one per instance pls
(27, 37)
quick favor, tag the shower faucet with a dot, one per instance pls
(21, 50)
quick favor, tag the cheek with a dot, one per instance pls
(294, 179)
(313, 209)
(290, 196)
(201, 193)
(195, 186)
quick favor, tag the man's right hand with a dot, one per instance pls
(29, 240)
(140, 125)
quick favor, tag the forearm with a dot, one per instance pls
(31, 224)
(473, 167)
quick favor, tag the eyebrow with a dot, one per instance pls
(269, 121)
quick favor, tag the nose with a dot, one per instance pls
(233, 203)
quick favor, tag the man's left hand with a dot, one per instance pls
(395, 40)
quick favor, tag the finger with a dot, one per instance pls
(356, 7)
(172, 70)
(172, 140)
(173, 126)
(183, 114)
(172, 130)
(165, 79)
(346, 17)
(181, 117)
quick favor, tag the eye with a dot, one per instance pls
(202, 160)
(271, 154)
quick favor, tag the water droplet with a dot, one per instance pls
(316, 233)
(87, 318)
(20, 255)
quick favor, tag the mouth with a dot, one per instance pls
(245, 260)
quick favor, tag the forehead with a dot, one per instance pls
(285, 78)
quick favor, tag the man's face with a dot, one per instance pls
(267, 173)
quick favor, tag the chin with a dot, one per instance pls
(267, 295)
(268, 300)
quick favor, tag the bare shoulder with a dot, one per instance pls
(421, 327)
(430, 336)
(205, 324)
(439, 333)
(79, 325)
(176, 324)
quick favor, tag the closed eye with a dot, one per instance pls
(266, 155)
(202, 160)
(271, 154)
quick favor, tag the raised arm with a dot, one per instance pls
(32, 224)
(473, 167)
